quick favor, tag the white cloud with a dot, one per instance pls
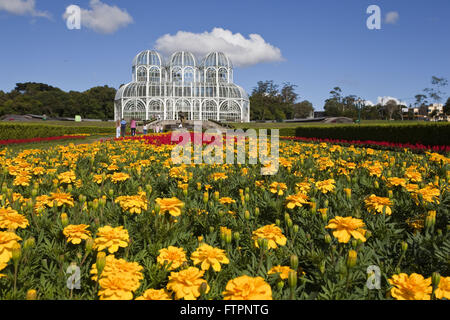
(22, 8)
(391, 17)
(103, 18)
(383, 100)
(241, 51)
(368, 103)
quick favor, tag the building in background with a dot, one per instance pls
(182, 88)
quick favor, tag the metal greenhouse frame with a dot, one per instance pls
(182, 87)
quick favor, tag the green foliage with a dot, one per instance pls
(28, 131)
(426, 134)
(39, 98)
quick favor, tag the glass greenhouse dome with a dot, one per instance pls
(182, 87)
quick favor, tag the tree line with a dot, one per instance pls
(40, 98)
(268, 101)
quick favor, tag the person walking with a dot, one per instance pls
(117, 129)
(123, 127)
(133, 127)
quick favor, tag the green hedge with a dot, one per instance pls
(28, 131)
(436, 134)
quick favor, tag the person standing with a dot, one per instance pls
(133, 127)
(117, 128)
(145, 128)
(123, 127)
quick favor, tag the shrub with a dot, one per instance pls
(426, 134)
(29, 131)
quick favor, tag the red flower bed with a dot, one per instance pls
(166, 138)
(418, 146)
(16, 141)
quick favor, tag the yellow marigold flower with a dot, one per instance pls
(22, 180)
(119, 266)
(119, 176)
(112, 167)
(272, 233)
(413, 287)
(326, 185)
(207, 187)
(116, 286)
(11, 219)
(247, 288)
(218, 176)
(443, 290)
(153, 294)
(38, 171)
(7, 241)
(278, 188)
(172, 205)
(76, 233)
(395, 182)
(282, 270)
(67, 177)
(304, 187)
(178, 172)
(172, 256)
(297, 200)
(209, 257)
(347, 227)
(98, 178)
(225, 230)
(376, 204)
(111, 238)
(226, 200)
(413, 175)
(375, 170)
(186, 283)
(2, 266)
(410, 187)
(259, 183)
(60, 198)
(429, 194)
(133, 204)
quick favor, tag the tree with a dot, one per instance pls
(447, 107)
(435, 92)
(303, 109)
(271, 103)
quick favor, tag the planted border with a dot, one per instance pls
(11, 131)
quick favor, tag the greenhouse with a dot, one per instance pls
(182, 88)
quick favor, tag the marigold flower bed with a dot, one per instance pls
(120, 219)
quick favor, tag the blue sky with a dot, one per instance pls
(323, 44)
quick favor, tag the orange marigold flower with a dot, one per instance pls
(282, 270)
(209, 257)
(76, 233)
(11, 219)
(186, 283)
(272, 233)
(119, 176)
(133, 204)
(153, 294)
(172, 256)
(247, 288)
(326, 186)
(226, 200)
(111, 238)
(413, 287)
(60, 198)
(172, 205)
(297, 200)
(116, 286)
(67, 177)
(7, 241)
(376, 204)
(347, 227)
(443, 290)
(278, 188)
